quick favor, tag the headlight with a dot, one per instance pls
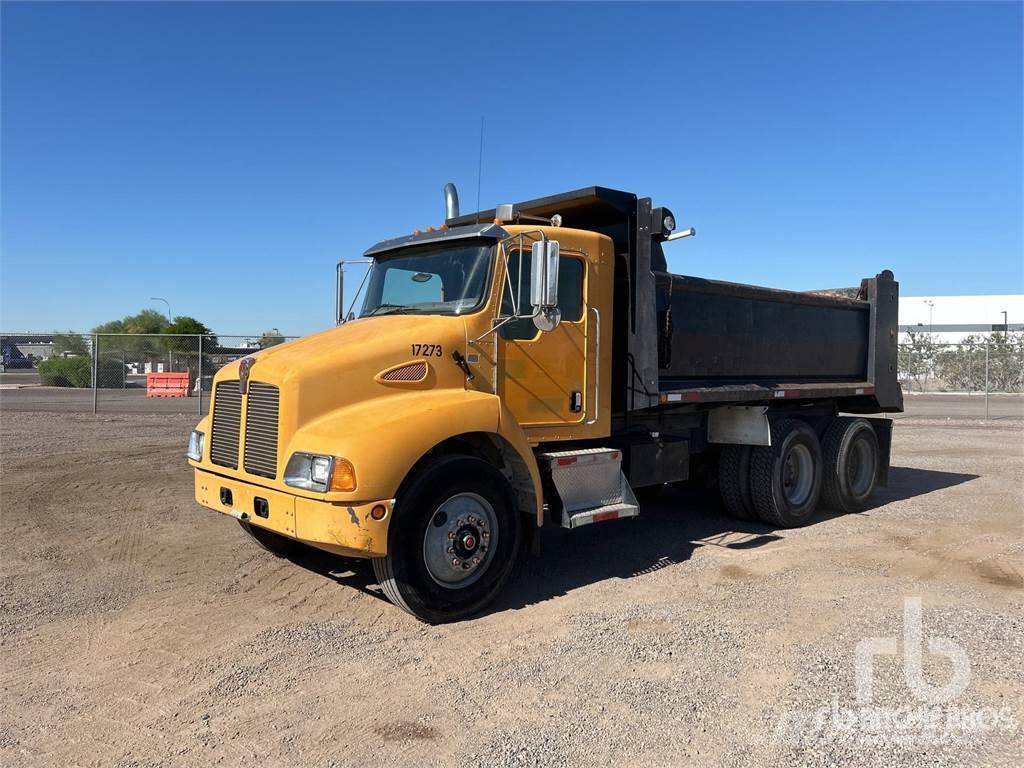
(319, 473)
(195, 445)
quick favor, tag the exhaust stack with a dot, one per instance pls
(451, 201)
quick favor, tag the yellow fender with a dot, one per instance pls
(384, 437)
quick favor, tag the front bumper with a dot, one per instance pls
(342, 528)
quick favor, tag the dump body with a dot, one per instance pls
(721, 341)
(720, 333)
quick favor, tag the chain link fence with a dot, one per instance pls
(118, 373)
(983, 364)
(114, 372)
(980, 377)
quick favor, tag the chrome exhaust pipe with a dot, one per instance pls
(451, 201)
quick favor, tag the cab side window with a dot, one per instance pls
(570, 289)
(570, 294)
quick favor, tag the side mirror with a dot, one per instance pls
(544, 284)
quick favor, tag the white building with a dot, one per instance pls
(951, 318)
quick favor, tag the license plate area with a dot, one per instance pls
(260, 506)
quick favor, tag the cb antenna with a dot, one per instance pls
(479, 168)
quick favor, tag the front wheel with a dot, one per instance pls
(453, 540)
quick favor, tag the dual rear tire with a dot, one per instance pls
(785, 477)
(782, 484)
(850, 448)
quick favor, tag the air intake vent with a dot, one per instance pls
(411, 372)
(261, 430)
(227, 418)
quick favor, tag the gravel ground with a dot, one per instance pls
(139, 629)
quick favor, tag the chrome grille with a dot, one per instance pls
(261, 430)
(227, 418)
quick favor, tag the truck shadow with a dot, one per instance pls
(908, 482)
(673, 523)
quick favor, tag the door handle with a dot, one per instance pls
(597, 362)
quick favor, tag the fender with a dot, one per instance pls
(386, 436)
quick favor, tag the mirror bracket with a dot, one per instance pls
(544, 279)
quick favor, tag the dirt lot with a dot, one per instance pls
(139, 629)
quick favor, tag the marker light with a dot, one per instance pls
(344, 476)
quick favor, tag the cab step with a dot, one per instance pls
(591, 485)
(599, 515)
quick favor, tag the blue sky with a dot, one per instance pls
(225, 156)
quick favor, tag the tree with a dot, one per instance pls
(147, 321)
(270, 338)
(917, 357)
(111, 326)
(138, 343)
(65, 344)
(183, 324)
(186, 324)
(1006, 361)
(962, 367)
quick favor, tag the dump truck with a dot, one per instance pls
(535, 364)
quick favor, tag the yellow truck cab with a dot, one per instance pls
(514, 368)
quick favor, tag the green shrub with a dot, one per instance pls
(66, 372)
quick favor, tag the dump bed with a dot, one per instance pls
(720, 341)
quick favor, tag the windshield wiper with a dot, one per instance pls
(385, 309)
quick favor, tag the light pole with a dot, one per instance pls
(931, 306)
(1006, 324)
(165, 301)
(169, 321)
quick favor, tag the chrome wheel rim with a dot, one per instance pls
(460, 540)
(797, 474)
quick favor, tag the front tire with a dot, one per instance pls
(785, 477)
(453, 540)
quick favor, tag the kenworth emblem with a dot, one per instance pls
(244, 367)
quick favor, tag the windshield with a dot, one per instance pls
(440, 279)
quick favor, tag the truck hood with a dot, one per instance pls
(320, 373)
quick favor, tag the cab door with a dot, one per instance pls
(544, 374)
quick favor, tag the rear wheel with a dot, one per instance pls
(851, 457)
(274, 543)
(453, 540)
(785, 477)
(734, 481)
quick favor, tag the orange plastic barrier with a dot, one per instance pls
(167, 385)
